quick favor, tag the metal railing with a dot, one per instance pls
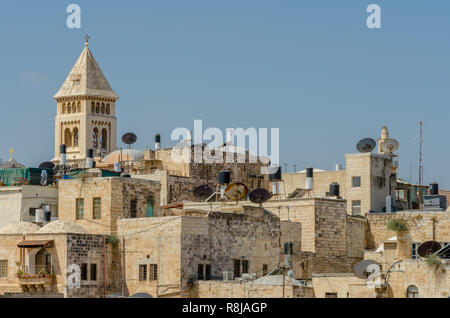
(39, 269)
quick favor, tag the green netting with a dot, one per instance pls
(108, 173)
(12, 176)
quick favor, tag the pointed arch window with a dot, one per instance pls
(92, 107)
(67, 138)
(104, 142)
(95, 138)
(75, 137)
(108, 109)
(97, 108)
(74, 108)
(79, 107)
(103, 108)
(63, 108)
(69, 108)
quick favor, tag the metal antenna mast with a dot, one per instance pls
(420, 156)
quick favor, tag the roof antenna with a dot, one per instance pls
(420, 156)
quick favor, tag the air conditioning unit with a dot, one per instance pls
(249, 276)
(228, 275)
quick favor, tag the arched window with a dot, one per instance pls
(412, 292)
(74, 108)
(103, 108)
(75, 137)
(43, 262)
(92, 107)
(69, 108)
(97, 108)
(63, 111)
(108, 109)
(95, 138)
(67, 138)
(79, 107)
(104, 142)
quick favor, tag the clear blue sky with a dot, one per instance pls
(311, 68)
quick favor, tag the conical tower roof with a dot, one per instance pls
(86, 79)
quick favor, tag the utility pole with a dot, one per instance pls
(420, 156)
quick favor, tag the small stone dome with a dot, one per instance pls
(62, 227)
(20, 228)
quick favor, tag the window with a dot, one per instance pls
(92, 107)
(356, 207)
(133, 208)
(401, 195)
(244, 267)
(208, 272)
(412, 292)
(107, 109)
(97, 213)
(149, 207)
(414, 247)
(93, 271)
(79, 209)
(200, 272)
(153, 272)
(330, 295)
(356, 182)
(83, 268)
(237, 268)
(32, 212)
(265, 269)
(3, 268)
(142, 273)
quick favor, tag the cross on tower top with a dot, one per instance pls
(11, 153)
(86, 40)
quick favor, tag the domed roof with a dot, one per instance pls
(11, 164)
(62, 227)
(20, 228)
(127, 155)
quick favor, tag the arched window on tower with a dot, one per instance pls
(103, 108)
(95, 138)
(75, 137)
(67, 138)
(97, 108)
(63, 108)
(79, 107)
(108, 109)
(74, 108)
(92, 107)
(104, 143)
(69, 108)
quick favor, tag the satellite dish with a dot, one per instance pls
(236, 191)
(203, 192)
(141, 295)
(116, 295)
(129, 138)
(363, 269)
(428, 248)
(259, 196)
(366, 145)
(389, 145)
(47, 165)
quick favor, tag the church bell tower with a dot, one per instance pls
(86, 112)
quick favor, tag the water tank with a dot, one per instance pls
(309, 172)
(276, 176)
(62, 148)
(158, 138)
(334, 189)
(62, 154)
(434, 188)
(224, 177)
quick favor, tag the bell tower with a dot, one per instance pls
(86, 111)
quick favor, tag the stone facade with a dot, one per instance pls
(118, 197)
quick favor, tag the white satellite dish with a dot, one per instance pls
(389, 145)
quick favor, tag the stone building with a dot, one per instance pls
(97, 204)
(41, 262)
(21, 203)
(165, 256)
(86, 111)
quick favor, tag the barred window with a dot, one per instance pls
(94, 272)
(244, 266)
(200, 272)
(356, 182)
(414, 248)
(3, 268)
(79, 209)
(237, 268)
(97, 204)
(208, 272)
(84, 274)
(153, 272)
(142, 273)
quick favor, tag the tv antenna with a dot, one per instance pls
(420, 155)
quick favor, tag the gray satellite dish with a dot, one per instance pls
(428, 248)
(141, 295)
(366, 145)
(116, 295)
(203, 192)
(129, 138)
(259, 196)
(389, 145)
(363, 269)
